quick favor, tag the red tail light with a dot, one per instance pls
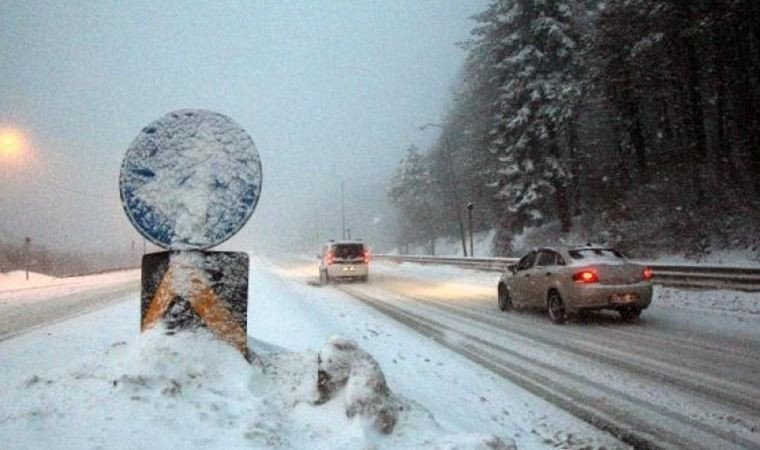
(366, 256)
(647, 274)
(586, 276)
(330, 258)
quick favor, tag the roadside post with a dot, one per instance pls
(189, 182)
(470, 206)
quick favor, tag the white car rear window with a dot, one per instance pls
(597, 255)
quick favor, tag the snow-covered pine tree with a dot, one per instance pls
(411, 191)
(532, 45)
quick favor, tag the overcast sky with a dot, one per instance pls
(328, 90)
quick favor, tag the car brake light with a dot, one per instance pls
(647, 274)
(330, 258)
(366, 257)
(586, 276)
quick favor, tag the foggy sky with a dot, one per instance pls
(329, 91)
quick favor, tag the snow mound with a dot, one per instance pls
(190, 390)
(170, 362)
(343, 366)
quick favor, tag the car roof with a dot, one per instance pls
(345, 242)
(566, 248)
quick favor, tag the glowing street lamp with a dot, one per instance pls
(12, 143)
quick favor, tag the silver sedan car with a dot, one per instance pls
(570, 280)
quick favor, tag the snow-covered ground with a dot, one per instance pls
(733, 258)
(95, 382)
(533, 237)
(481, 243)
(17, 279)
(14, 285)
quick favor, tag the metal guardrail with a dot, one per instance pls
(693, 276)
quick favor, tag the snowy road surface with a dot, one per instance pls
(23, 308)
(683, 377)
(679, 378)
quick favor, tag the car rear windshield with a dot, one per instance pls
(596, 254)
(348, 251)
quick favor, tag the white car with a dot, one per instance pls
(570, 280)
(343, 260)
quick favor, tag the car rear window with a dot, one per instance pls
(596, 254)
(348, 251)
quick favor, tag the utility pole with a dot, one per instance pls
(470, 207)
(27, 245)
(342, 211)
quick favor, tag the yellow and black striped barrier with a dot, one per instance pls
(192, 289)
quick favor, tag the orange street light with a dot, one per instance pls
(12, 144)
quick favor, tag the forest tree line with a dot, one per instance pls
(636, 121)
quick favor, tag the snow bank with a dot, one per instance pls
(190, 390)
(345, 368)
(734, 258)
(17, 280)
(452, 246)
(15, 288)
(721, 301)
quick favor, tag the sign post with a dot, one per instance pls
(190, 181)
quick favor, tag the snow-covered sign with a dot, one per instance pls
(190, 180)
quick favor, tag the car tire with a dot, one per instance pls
(505, 300)
(323, 278)
(364, 279)
(630, 314)
(556, 307)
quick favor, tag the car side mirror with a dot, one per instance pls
(512, 268)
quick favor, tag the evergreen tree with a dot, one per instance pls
(533, 46)
(411, 191)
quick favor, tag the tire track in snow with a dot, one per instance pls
(590, 401)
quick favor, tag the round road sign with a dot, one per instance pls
(190, 180)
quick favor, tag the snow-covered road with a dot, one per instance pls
(26, 307)
(683, 377)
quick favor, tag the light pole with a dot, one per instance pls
(470, 207)
(27, 245)
(342, 211)
(450, 167)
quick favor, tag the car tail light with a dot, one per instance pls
(330, 258)
(586, 276)
(366, 257)
(647, 274)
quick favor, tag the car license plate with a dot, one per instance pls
(348, 268)
(623, 298)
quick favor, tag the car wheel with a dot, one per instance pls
(630, 314)
(323, 279)
(556, 308)
(505, 300)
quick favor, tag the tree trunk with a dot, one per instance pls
(698, 139)
(575, 172)
(559, 184)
